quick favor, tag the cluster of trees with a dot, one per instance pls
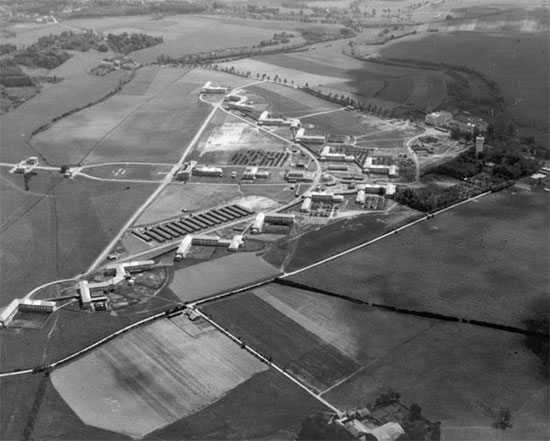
(100, 8)
(125, 43)
(510, 162)
(320, 426)
(41, 58)
(7, 48)
(11, 74)
(430, 199)
(69, 40)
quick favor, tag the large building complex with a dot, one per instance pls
(370, 166)
(119, 273)
(208, 171)
(232, 244)
(29, 305)
(213, 88)
(328, 155)
(440, 118)
(308, 139)
(266, 119)
(271, 218)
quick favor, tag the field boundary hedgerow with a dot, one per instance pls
(117, 89)
(412, 312)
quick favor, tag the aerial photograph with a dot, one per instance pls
(274, 220)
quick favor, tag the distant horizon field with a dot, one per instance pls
(519, 62)
(486, 260)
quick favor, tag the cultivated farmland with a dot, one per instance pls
(154, 376)
(267, 406)
(291, 346)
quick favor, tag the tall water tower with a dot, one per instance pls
(480, 141)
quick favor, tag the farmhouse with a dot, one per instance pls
(440, 118)
(212, 88)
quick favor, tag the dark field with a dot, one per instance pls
(460, 375)
(58, 227)
(487, 260)
(430, 362)
(266, 404)
(292, 347)
(519, 62)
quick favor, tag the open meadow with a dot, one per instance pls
(220, 275)
(341, 235)
(486, 260)
(154, 376)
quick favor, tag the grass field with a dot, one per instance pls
(154, 376)
(266, 406)
(220, 275)
(290, 102)
(129, 171)
(77, 91)
(57, 228)
(517, 61)
(486, 260)
(300, 352)
(154, 127)
(192, 197)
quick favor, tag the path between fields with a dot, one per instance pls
(269, 363)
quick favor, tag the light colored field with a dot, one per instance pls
(220, 275)
(153, 376)
(300, 78)
(362, 333)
